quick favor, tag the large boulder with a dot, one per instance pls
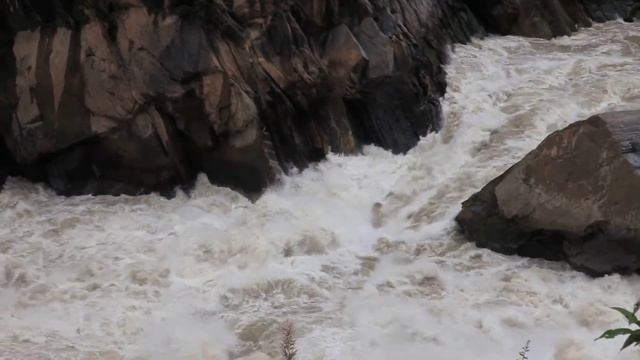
(576, 197)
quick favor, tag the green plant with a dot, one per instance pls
(633, 337)
(522, 355)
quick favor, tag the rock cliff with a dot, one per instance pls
(548, 18)
(132, 96)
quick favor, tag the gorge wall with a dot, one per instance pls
(133, 96)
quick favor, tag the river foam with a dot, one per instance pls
(360, 253)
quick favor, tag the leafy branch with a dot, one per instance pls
(632, 332)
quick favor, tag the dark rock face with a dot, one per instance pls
(540, 18)
(132, 96)
(548, 18)
(603, 10)
(8, 166)
(576, 198)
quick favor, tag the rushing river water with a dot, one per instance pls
(211, 275)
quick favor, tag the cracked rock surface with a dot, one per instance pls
(133, 96)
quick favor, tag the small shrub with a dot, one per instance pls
(522, 355)
(633, 331)
(289, 349)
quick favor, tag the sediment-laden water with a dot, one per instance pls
(360, 253)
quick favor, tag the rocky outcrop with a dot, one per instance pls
(576, 198)
(539, 18)
(132, 96)
(548, 18)
(603, 10)
(8, 166)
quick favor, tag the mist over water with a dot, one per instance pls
(360, 252)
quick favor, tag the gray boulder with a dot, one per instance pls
(576, 197)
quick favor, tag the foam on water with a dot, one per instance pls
(211, 275)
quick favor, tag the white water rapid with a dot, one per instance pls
(211, 275)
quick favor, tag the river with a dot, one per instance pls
(360, 253)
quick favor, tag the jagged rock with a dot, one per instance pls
(576, 197)
(132, 96)
(378, 48)
(538, 18)
(8, 166)
(603, 10)
(343, 52)
(548, 18)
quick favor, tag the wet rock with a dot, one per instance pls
(576, 197)
(548, 18)
(133, 96)
(8, 166)
(127, 97)
(343, 52)
(603, 10)
(378, 48)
